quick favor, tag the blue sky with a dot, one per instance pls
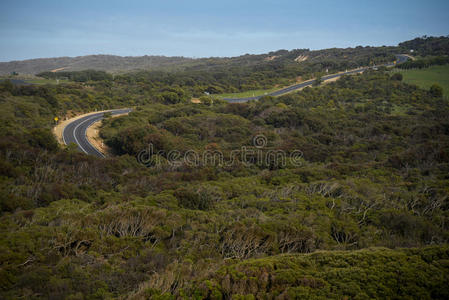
(33, 29)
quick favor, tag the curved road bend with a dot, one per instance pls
(75, 132)
(399, 59)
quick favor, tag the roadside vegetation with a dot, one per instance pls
(362, 214)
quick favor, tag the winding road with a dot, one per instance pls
(399, 59)
(75, 131)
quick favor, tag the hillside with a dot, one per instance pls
(111, 63)
(316, 60)
(326, 58)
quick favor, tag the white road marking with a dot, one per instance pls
(74, 132)
(85, 133)
(87, 139)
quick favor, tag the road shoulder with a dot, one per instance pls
(93, 136)
(59, 128)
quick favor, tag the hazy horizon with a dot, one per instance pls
(197, 29)
(196, 57)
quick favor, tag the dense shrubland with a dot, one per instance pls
(427, 45)
(78, 76)
(376, 273)
(374, 173)
(425, 62)
(250, 72)
(219, 75)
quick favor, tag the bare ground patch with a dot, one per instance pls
(301, 58)
(93, 136)
(270, 58)
(57, 70)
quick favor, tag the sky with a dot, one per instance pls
(35, 29)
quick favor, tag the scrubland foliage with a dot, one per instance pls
(374, 178)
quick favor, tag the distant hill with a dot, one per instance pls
(110, 63)
(428, 45)
(116, 64)
(333, 58)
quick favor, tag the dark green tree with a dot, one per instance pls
(436, 90)
(396, 76)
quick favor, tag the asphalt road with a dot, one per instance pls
(75, 132)
(399, 59)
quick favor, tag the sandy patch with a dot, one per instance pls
(330, 80)
(56, 70)
(336, 78)
(93, 136)
(270, 58)
(301, 58)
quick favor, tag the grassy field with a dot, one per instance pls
(424, 78)
(247, 93)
